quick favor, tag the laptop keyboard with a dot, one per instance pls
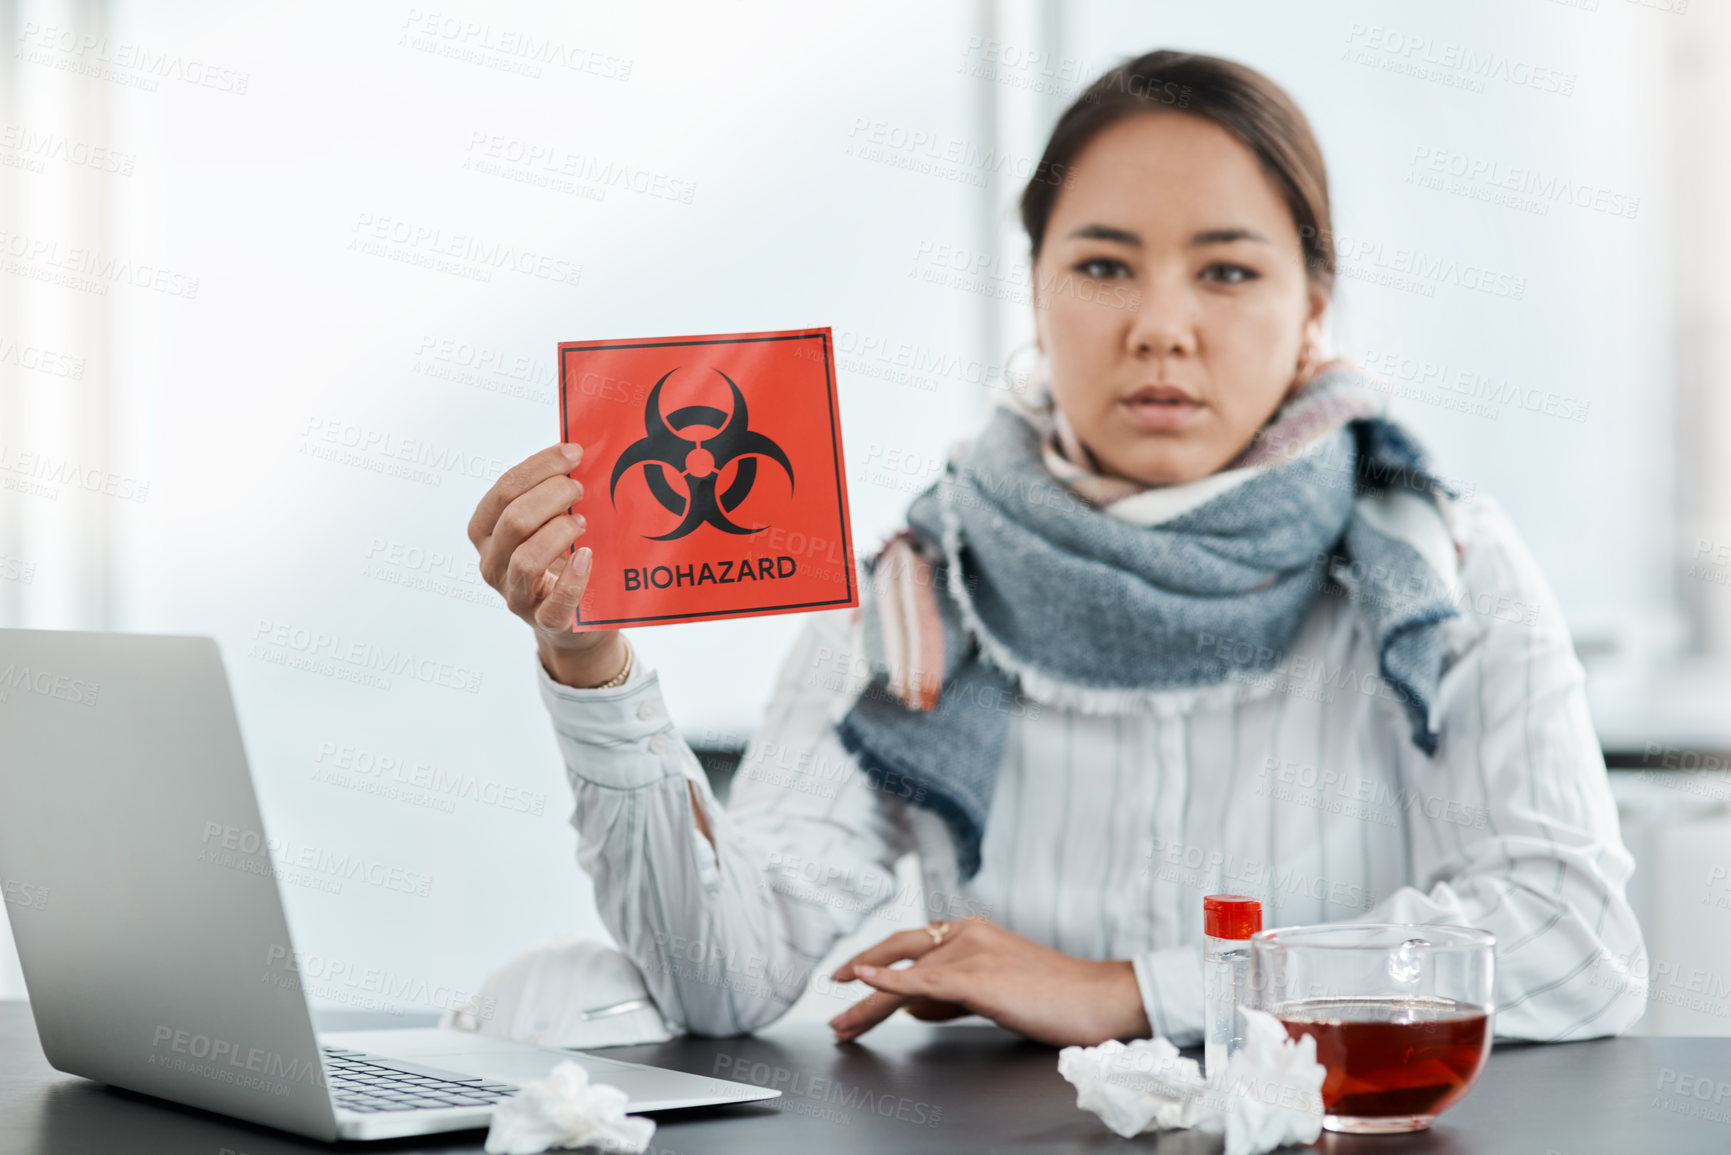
(363, 1082)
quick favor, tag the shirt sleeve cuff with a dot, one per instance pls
(620, 737)
(1170, 980)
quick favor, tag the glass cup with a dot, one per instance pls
(1401, 1014)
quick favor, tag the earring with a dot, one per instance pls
(1031, 384)
(1307, 356)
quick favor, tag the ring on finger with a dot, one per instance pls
(937, 930)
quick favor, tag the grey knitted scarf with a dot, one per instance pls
(1039, 592)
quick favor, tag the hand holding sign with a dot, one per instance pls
(524, 528)
(713, 467)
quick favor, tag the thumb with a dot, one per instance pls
(558, 608)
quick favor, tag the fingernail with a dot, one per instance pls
(582, 522)
(571, 450)
(579, 496)
(865, 970)
(580, 563)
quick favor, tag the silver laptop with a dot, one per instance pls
(139, 886)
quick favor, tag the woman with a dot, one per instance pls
(1188, 617)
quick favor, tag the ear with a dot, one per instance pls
(1310, 338)
(1317, 301)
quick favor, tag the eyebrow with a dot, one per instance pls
(1206, 237)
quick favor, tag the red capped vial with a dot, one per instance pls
(1228, 921)
(1230, 916)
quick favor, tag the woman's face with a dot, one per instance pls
(1170, 297)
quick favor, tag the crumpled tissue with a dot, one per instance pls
(566, 1110)
(1269, 1095)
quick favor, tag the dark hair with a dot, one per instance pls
(1239, 99)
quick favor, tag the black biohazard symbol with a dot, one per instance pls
(699, 462)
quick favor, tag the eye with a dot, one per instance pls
(1222, 273)
(1103, 268)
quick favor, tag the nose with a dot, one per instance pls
(1163, 321)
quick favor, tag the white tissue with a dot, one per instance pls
(1145, 1085)
(1269, 1095)
(1272, 1088)
(566, 1110)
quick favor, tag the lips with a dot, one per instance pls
(1161, 394)
(1161, 406)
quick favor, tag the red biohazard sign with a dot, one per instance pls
(712, 476)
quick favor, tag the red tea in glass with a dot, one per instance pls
(1400, 1013)
(1392, 1056)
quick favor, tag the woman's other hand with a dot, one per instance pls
(982, 968)
(523, 529)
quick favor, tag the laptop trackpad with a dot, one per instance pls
(521, 1066)
(504, 1061)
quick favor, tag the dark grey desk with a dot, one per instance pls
(912, 1087)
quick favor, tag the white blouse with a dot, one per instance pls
(1301, 788)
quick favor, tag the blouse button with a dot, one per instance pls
(646, 710)
(658, 743)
